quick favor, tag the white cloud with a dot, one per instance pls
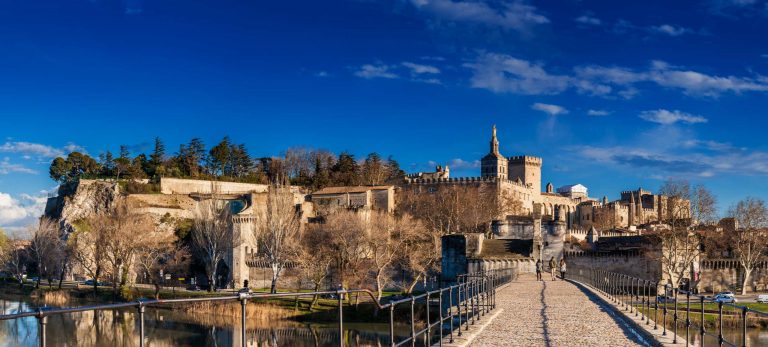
(322, 74)
(666, 117)
(457, 163)
(369, 71)
(515, 15)
(19, 212)
(7, 167)
(660, 161)
(670, 30)
(421, 69)
(549, 109)
(30, 149)
(597, 113)
(505, 74)
(587, 19)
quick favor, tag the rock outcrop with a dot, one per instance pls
(78, 200)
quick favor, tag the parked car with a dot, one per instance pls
(725, 297)
(90, 283)
(663, 299)
(762, 298)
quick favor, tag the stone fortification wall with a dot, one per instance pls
(184, 186)
(632, 264)
(727, 275)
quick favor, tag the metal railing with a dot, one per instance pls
(460, 305)
(641, 297)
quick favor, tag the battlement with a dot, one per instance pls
(463, 180)
(525, 159)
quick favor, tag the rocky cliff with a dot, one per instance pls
(78, 200)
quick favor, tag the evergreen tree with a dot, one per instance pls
(322, 177)
(374, 172)
(346, 171)
(395, 175)
(219, 158)
(157, 159)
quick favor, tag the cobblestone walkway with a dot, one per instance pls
(551, 314)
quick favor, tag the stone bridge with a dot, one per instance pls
(554, 313)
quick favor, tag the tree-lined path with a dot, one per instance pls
(553, 314)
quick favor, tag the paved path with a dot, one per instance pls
(552, 314)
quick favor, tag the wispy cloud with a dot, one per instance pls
(701, 164)
(666, 117)
(598, 113)
(552, 110)
(502, 73)
(458, 164)
(7, 167)
(421, 68)
(369, 71)
(514, 15)
(670, 30)
(505, 74)
(588, 19)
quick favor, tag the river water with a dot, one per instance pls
(165, 327)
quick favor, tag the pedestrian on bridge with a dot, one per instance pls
(553, 268)
(539, 268)
(562, 268)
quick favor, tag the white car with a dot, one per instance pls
(762, 298)
(725, 297)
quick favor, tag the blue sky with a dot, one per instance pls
(613, 95)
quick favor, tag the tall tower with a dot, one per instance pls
(528, 169)
(494, 164)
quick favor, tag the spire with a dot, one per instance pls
(494, 142)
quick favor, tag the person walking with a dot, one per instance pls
(562, 268)
(553, 268)
(539, 267)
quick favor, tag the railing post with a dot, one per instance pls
(656, 309)
(744, 311)
(687, 317)
(42, 321)
(141, 325)
(634, 294)
(339, 293)
(466, 306)
(391, 325)
(440, 313)
(720, 323)
(450, 311)
(243, 314)
(702, 330)
(674, 318)
(413, 323)
(429, 322)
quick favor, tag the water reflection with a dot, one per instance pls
(174, 328)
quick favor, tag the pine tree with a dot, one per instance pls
(157, 159)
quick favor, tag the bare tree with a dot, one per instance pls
(315, 257)
(420, 252)
(212, 235)
(384, 237)
(347, 241)
(87, 244)
(749, 241)
(277, 229)
(152, 254)
(703, 205)
(47, 248)
(125, 232)
(679, 246)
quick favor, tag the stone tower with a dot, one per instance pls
(494, 164)
(528, 169)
